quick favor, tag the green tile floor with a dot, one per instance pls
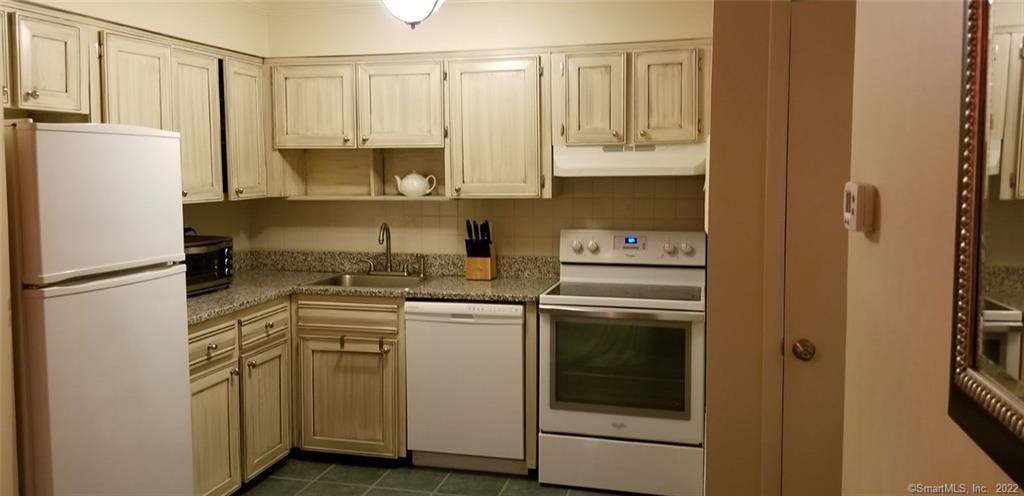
(314, 478)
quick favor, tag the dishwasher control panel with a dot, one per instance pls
(466, 309)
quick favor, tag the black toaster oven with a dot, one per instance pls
(208, 263)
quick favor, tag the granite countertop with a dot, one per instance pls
(250, 288)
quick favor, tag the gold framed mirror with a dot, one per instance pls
(987, 372)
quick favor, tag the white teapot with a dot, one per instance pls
(415, 184)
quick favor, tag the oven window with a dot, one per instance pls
(203, 267)
(603, 365)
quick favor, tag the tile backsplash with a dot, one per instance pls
(520, 227)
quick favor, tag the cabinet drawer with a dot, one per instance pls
(267, 324)
(370, 316)
(210, 345)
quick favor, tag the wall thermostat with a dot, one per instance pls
(859, 207)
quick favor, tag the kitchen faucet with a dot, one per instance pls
(384, 238)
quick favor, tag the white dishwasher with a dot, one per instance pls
(465, 379)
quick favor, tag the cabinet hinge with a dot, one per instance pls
(563, 130)
(542, 70)
(700, 126)
(1020, 50)
(561, 70)
(543, 181)
(445, 76)
(700, 63)
(446, 131)
(1013, 181)
(99, 49)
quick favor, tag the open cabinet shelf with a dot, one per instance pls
(364, 174)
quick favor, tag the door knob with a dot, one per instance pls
(804, 349)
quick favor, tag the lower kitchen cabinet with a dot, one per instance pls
(241, 377)
(349, 395)
(215, 431)
(266, 407)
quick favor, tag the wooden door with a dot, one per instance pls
(349, 395)
(52, 62)
(596, 97)
(243, 115)
(266, 407)
(137, 82)
(494, 113)
(821, 73)
(216, 444)
(197, 117)
(314, 106)
(665, 88)
(399, 105)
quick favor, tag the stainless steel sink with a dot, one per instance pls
(369, 281)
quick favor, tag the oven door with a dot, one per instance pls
(622, 373)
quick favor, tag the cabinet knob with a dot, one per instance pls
(184, 193)
(5, 90)
(615, 134)
(34, 94)
(239, 191)
(234, 371)
(269, 325)
(365, 139)
(458, 190)
(251, 363)
(643, 133)
(211, 346)
(346, 139)
(384, 348)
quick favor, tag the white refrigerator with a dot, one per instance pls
(96, 218)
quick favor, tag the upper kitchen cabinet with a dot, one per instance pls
(596, 98)
(136, 82)
(52, 62)
(314, 106)
(197, 117)
(494, 118)
(399, 105)
(243, 115)
(666, 95)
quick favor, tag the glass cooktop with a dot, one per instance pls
(632, 291)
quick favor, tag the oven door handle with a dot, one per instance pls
(625, 313)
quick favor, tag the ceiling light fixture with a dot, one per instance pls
(412, 12)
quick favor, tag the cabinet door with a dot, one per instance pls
(596, 98)
(215, 432)
(314, 106)
(399, 105)
(197, 117)
(666, 88)
(243, 111)
(494, 112)
(137, 82)
(349, 395)
(5, 63)
(52, 62)
(266, 407)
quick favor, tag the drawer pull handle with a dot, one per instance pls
(211, 347)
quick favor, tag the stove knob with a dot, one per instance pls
(669, 248)
(687, 249)
(577, 246)
(592, 246)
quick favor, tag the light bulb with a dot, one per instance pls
(412, 12)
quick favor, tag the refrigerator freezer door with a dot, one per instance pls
(95, 198)
(105, 384)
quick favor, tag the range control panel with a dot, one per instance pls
(674, 248)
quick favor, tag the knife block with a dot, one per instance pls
(482, 268)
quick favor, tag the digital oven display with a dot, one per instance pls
(630, 242)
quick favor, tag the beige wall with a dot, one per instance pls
(367, 27)
(235, 25)
(521, 227)
(222, 219)
(899, 310)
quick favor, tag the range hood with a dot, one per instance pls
(630, 160)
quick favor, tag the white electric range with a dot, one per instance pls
(622, 363)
